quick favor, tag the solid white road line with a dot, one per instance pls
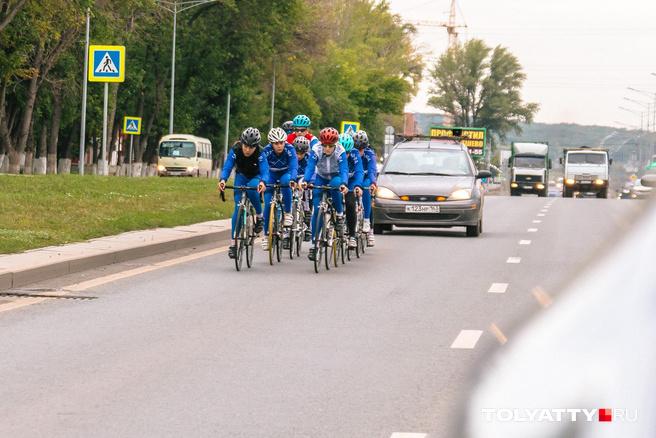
(498, 288)
(524, 242)
(467, 339)
(532, 230)
(514, 260)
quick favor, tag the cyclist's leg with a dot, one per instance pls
(240, 180)
(268, 195)
(336, 195)
(351, 215)
(285, 179)
(316, 200)
(366, 199)
(253, 196)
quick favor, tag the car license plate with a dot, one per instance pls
(586, 182)
(528, 187)
(422, 208)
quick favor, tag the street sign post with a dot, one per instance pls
(131, 127)
(347, 127)
(106, 64)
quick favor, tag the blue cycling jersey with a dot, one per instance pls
(286, 162)
(302, 164)
(369, 164)
(355, 171)
(327, 166)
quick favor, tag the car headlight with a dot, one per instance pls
(460, 195)
(539, 186)
(385, 193)
(599, 182)
(569, 181)
(190, 169)
(161, 168)
(514, 185)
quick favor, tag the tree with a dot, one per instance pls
(481, 87)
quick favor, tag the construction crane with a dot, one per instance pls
(451, 26)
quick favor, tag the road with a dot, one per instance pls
(386, 345)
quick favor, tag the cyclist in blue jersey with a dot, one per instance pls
(251, 170)
(327, 166)
(356, 176)
(283, 169)
(302, 146)
(368, 155)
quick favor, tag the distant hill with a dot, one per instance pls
(569, 134)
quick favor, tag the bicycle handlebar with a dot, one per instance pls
(222, 192)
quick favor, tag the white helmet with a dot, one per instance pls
(277, 135)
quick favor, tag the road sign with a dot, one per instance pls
(349, 127)
(106, 63)
(474, 138)
(132, 125)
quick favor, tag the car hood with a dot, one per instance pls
(425, 185)
(599, 170)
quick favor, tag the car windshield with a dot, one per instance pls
(530, 162)
(429, 162)
(177, 149)
(584, 158)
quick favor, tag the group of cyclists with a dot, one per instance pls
(295, 159)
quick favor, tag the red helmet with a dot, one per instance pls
(328, 136)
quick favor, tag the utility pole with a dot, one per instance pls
(83, 118)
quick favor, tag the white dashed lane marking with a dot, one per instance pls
(541, 215)
(514, 260)
(537, 221)
(524, 242)
(467, 339)
(408, 435)
(498, 288)
(532, 230)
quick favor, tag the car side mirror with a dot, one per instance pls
(648, 180)
(484, 174)
(560, 160)
(198, 154)
(610, 162)
(510, 160)
(550, 165)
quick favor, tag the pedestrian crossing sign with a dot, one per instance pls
(132, 125)
(106, 63)
(350, 127)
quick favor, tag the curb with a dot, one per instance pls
(24, 277)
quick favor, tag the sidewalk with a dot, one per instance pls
(20, 269)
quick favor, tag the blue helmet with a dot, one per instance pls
(347, 141)
(301, 121)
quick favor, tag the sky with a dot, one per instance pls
(580, 56)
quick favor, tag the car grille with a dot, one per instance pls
(423, 198)
(423, 216)
(585, 177)
(528, 178)
(176, 169)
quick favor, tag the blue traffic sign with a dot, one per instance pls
(132, 125)
(106, 63)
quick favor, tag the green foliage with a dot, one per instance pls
(481, 86)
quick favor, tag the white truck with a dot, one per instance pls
(586, 172)
(529, 168)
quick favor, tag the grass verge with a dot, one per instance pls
(37, 211)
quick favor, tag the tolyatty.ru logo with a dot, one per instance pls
(559, 414)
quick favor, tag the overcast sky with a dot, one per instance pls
(579, 55)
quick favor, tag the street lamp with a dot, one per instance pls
(644, 105)
(653, 96)
(175, 7)
(640, 113)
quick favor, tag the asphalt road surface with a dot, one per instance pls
(386, 346)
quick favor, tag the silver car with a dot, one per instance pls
(430, 183)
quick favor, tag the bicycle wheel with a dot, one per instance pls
(318, 242)
(270, 237)
(239, 242)
(250, 239)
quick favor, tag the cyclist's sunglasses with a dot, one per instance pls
(300, 129)
(250, 146)
(329, 145)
